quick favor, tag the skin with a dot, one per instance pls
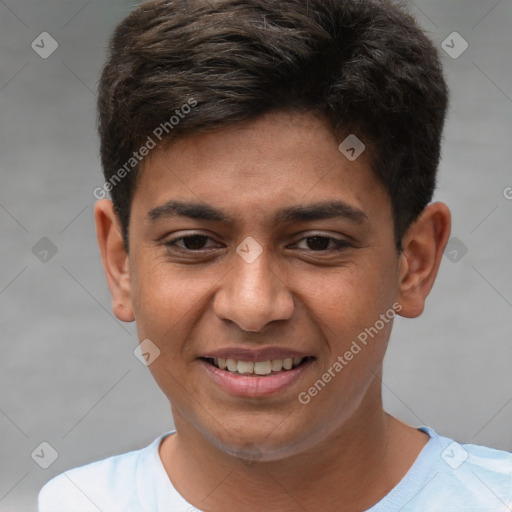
(341, 451)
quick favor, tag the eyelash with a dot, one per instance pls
(339, 244)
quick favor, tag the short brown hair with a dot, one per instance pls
(363, 64)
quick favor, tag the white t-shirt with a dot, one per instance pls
(446, 477)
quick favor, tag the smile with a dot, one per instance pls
(257, 378)
(268, 367)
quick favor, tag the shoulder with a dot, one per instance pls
(475, 475)
(478, 459)
(108, 484)
(496, 465)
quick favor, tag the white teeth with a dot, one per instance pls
(231, 365)
(245, 367)
(257, 367)
(277, 365)
(262, 367)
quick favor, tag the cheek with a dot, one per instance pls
(168, 304)
(352, 298)
(156, 299)
(349, 308)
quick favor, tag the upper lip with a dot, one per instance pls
(263, 354)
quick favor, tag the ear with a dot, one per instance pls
(115, 259)
(423, 247)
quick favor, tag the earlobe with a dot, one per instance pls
(115, 259)
(423, 248)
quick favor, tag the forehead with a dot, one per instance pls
(267, 167)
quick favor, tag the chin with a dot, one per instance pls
(257, 440)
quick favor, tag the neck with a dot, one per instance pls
(350, 470)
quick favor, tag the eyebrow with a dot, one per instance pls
(316, 211)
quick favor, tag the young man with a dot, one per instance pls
(271, 166)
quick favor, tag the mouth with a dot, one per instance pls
(256, 378)
(257, 368)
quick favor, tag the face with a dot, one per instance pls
(260, 247)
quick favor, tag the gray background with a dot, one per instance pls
(68, 373)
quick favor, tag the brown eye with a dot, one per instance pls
(195, 242)
(189, 243)
(319, 243)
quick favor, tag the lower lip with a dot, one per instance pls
(255, 386)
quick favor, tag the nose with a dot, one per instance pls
(253, 294)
